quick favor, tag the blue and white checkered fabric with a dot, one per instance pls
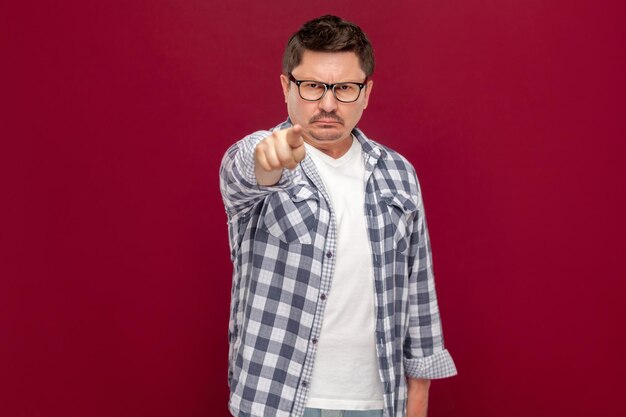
(283, 241)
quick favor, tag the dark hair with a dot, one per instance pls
(329, 34)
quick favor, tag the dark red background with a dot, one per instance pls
(115, 272)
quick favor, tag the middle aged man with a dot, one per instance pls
(333, 311)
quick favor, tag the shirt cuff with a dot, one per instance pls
(439, 365)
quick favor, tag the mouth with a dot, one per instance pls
(327, 122)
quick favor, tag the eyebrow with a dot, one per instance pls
(320, 81)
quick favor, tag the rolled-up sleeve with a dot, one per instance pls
(424, 353)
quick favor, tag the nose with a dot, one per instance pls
(328, 103)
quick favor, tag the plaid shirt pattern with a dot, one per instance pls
(283, 241)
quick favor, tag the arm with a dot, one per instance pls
(425, 356)
(417, 397)
(252, 168)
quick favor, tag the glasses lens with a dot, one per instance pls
(310, 90)
(347, 91)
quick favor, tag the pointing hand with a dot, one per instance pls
(282, 149)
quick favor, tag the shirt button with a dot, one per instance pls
(323, 296)
(305, 384)
(314, 340)
(329, 254)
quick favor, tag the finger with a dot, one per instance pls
(261, 161)
(294, 136)
(271, 157)
(285, 155)
(298, 153)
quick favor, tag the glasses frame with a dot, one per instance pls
(328, 87)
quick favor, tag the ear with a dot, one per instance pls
(284, 81)
(368, 91)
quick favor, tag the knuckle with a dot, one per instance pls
(261, 146)
(268, 140)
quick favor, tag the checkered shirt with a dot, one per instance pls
(283, 240)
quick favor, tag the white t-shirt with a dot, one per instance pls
(345, 374)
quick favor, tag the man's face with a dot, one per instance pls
(328, 122)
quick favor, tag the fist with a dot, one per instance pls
(282, 149)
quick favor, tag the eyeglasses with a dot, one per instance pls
(311, 90)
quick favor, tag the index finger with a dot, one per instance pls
(294, 136)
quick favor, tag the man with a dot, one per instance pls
(333, 310)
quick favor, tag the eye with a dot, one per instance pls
(346, 87)
(312, 85)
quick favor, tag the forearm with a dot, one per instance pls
(417, 397)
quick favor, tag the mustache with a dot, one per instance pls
(326, 115)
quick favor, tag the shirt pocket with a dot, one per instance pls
(401, 208)
(291, 215)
